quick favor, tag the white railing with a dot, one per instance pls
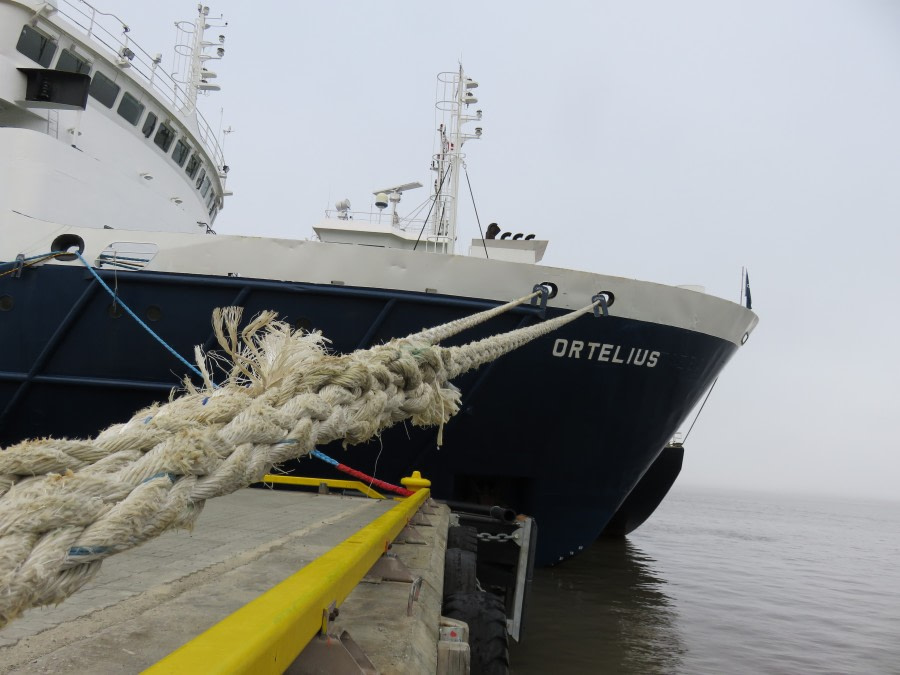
(378, 218)
(112, 33)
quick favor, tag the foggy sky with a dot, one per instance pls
(668, 141)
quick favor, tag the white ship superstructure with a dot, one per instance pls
(85, 111)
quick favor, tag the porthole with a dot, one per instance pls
(66, 242)
(153, 313)
(6, 303)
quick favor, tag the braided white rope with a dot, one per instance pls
(442, 332)
(67, 504)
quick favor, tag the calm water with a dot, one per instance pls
(722, 582)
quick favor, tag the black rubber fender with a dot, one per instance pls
(459, 571)
(488, 639)
(464, 537)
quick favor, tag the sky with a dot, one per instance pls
(674, 142)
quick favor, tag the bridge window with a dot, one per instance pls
(164, 137)
(71, 62)
(104, 89)
(130, 108)
(192, 166)
(182, 150)
(149, 124)
(204, 187)
(36, 46)
(200, 178)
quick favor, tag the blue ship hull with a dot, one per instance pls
(547, 430)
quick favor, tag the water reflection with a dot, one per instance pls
(603, 611)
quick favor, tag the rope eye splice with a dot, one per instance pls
(65, 505)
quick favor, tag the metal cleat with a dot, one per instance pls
(420, 519)
(410, 535)
(540, 300)
(602, 299)
(337, 654)
(388, 568)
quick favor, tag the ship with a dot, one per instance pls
(112, 184)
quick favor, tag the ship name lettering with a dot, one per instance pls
(608, 353)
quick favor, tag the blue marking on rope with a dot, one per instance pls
(325, 458)
(134, 316)
(88, 550)
(162, 474)
(205, 400)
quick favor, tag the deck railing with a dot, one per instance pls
(109, 31)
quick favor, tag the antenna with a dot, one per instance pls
(455, 98)
(196, 51)
(393, 194)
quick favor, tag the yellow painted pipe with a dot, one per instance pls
(336, 483)
(267, 634)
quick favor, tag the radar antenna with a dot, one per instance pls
(392, 194)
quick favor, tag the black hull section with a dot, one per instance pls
(648, 494)
(549, 430)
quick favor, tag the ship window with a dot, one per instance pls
(149, 124)
(204, 188)
(72, 63)
(182, 150)
(104, 89)
(192, 166)
(130, 108)
(211, 199)
(36, 46)
(164, 137)
(200, 178)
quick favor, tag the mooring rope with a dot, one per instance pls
(451, 328)
(68, 504)
(359, 475)
(28, 262)
(190, 366)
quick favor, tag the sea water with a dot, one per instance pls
(726, 582)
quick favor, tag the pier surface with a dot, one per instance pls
(147, 602)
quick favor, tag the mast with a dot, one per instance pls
(450, 159)
(191, 57)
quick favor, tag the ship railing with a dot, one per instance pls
(378, 218)
(111, 32)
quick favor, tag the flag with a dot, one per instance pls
(747, 290)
